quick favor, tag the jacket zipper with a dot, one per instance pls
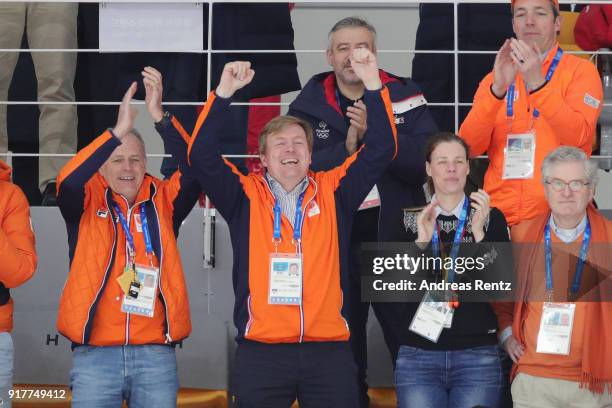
(108, 266)
(316, 187)
(129, 221)
(161, 262)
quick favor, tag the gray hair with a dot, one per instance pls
(138, 137)
(353, 22)
(564, 154)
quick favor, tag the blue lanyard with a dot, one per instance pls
(549, 74)
(297, 222)
(128, 234)
(145, 230)
(579, 265)
(435, 239)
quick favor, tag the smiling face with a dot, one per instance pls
(124, 170)
(342, 44)
(448, 168)
(287, 155)
(534, 22)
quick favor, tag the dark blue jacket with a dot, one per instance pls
(401, 184)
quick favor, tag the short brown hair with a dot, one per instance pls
(437, 139)
(280, 123)
(554, 4)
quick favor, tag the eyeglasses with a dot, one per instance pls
(575, 185)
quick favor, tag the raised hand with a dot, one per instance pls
(480, 202)
(504, 70)
(358, 116)
(236, 75)
(528, 61)
(365, 66)
(127, 113)
(152, 80)
(426, 223)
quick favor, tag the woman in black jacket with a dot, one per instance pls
(458, 363)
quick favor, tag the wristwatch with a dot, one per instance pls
(165, 120)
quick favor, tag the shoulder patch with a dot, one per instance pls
(409, 103)
(591, 101)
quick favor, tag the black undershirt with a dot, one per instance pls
(474, 324)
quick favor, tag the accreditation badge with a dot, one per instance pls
(285, 279)
(556, 325)
(519, 156)
(431, 316)
(144, 303)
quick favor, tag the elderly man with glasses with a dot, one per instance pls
(559, 329)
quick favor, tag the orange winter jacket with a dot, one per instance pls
(17, 244)
(569, 105)
(329, 204)
(89, 312)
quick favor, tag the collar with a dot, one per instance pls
(549, 55)
(145, 193)
(568, 235)
(329, 87)
(278, 190)
(455, 211)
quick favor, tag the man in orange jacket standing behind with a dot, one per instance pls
(536, 98)
(18, 264)
(122, 229)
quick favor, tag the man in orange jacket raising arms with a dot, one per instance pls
(18, 265)
(536, 98)
(122, 227)
(292, 333)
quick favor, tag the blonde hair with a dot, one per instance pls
(280, 123)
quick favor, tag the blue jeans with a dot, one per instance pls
(454, 379)
(143, 376)
(6, 368)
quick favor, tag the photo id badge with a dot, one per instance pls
(556, 325)
(519, 156)
(285, 279)
(144, 303)
(431, 316)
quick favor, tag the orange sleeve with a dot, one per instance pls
(572, 113)
(17, 243)
(477, 128)
(504, 311)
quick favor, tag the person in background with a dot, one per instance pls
(123, 224)
(17, 246)
(46, 25)
(464, 366)
(536, 98)
(558, 331)
(331, 103)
